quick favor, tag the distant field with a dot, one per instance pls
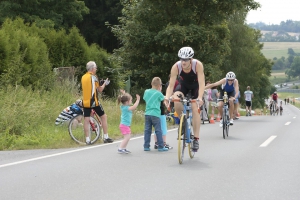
(279, 49)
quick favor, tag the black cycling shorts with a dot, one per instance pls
(98, 109)
(229, 94)
(248, 103)
(186, 88)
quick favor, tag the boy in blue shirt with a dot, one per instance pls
(153, 98)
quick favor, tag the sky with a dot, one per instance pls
(275, 11)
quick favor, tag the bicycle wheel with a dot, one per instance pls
(181, 138)
(76, 130)
(190, 144)
(227, 125)
(224, 123)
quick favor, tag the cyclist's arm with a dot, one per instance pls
(222, 81)
(201, 79)
(173, 77)
(236, 87)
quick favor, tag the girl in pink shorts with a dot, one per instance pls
(126, 116)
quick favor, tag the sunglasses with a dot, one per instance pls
(185, 59)
(231, 80)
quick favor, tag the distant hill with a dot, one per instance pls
(288, 31)
(288, 26)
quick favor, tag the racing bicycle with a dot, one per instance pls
(76, 130)
(273, 108)
(185, 129)
(225, 116)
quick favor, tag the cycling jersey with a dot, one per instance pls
(274, 97)
(188, 80)
(228, 88)
(248, 95)
(89, 83)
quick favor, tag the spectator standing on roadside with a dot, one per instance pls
(248, 98)
(153, 98)
(90, 88)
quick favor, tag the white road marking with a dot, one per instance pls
(67, 152)
(294, 117)
(288, 123)
(268, 141)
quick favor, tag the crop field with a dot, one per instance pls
(279, 49)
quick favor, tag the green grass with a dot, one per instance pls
(27, 117)
(279, 77)
(279, 49)
(283, 95)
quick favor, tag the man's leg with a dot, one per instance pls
(178, 105)
(196, 120)
(104, 123)
(231, 110)
(86, 126)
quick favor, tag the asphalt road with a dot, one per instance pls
(259, 160)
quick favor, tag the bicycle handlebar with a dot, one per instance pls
(184, 101)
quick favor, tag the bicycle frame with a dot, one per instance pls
(225, 117)
(185, 132)
(94, 114)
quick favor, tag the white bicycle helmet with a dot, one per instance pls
(186, 52)
(230, 75)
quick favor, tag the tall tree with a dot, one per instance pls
(152, 32)
(294, 71)
(95, 25)
(45, 13)
(246, 59)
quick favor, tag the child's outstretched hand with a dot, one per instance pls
(138, 97)
(122, 91)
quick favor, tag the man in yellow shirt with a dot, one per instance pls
(90, 88)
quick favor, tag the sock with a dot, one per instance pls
(195, 138)
(87, 139)
(105, 135)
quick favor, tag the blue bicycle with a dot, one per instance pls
(185, 129)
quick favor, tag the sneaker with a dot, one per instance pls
(123, 151)
(250, 114)
(231, 121)
(195, 145)
(163, 149)
(221, 123)
(108, 140)
(155, 145)
(127, 151)
(147, 149)
(168, 146)
(88, 143)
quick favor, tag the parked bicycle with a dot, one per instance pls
(225, 116)
(76, 130)
(185, 129)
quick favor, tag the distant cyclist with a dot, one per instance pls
(274, 99)
(230, 85)
(191, 78)
(248, 98)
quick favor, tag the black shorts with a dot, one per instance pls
(98, 109)
(248, 103)
(194, 88)
(229, 94)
